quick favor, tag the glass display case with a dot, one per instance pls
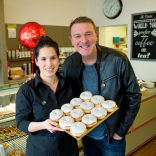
(11, 139)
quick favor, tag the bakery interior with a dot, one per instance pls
(54, 17)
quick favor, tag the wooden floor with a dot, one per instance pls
(149, 149)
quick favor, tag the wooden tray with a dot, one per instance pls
(90, 129)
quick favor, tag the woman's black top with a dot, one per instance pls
(35, 100)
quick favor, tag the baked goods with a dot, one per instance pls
(2, 136)
(56, 115)
(109, 105)
(87, 106)
(89, 120)
(99, 112)
(78, 129)
(86, 96)
(76, 102)
(5, 145)
(97, 100)
(14, 153)
(67, 108)
(66, 122)
(5, 112)
(77, 114)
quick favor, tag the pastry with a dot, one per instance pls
(76, 102)
(56, 115)
(77, 114)
(66, 122)
(87, 107)
(89, 120)
(109, 105)
(86, 96)
(67, 108)
(97, 100)
(99, 112)
(78, 129)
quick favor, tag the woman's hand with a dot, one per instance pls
(47, 124)
(51, 126)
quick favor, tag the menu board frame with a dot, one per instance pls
(143, 35)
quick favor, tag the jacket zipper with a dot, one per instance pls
(104, 122)
(98, 76)
(80, 75)
(103, 81)
(107, 131)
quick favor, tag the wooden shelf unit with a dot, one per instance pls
(21, 59)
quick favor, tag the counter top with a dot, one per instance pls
(22, 80)
(12, 84)
(148, 93)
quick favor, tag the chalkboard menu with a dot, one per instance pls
(144, 36)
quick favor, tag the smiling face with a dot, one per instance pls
(47, 62)
(84, 38)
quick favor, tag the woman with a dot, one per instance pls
(37, 98)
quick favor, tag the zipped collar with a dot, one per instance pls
(98, 60)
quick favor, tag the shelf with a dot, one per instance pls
(9, 91)
(11, 85)
(10, 133)
(16, 143)
(13, 138)
(118, 43)
(7, 117)
(61, 57)
(22, 59)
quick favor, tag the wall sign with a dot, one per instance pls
(144, 36)
(11, 30)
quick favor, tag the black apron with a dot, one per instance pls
(57, 145)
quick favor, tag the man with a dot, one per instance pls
(106, 72)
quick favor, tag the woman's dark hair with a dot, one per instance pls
(45, 42)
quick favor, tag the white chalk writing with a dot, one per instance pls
(144, 55)
(141, 26)
(144, 42)
(153, 25)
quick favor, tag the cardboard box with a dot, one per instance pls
(17, 72)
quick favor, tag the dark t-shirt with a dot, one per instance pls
(90, 83)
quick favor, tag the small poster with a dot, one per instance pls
(144, 36)
(11, 31)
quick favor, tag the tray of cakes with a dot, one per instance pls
(10, 132)
(7, 111)
(83, 114)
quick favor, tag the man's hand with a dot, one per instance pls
(116, 137)
(30, 78)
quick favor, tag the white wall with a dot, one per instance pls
(44, 12)
(61, 12)
(110, 32)
(144, 69)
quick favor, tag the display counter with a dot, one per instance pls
(144, 127)
(10, 137)
(142, 130)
